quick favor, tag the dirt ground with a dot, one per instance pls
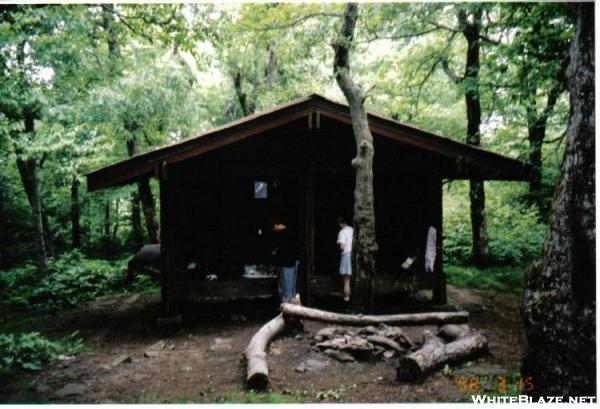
(200, 361)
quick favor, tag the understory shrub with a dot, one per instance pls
(71, 279)
(499, 278)
(515, 230)
(32, 350)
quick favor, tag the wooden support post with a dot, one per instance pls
(308, 209)
(309, 232)
(439, 282)
(166, 243)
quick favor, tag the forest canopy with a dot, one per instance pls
(85, 86)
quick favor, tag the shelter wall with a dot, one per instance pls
(217, 221)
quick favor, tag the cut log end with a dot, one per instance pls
(408, 370)
(257, 381)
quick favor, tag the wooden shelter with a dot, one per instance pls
(219, 190)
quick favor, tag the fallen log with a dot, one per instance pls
(298, 311)
(257, 370)
(435, 353)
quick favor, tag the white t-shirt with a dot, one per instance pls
(345, 237)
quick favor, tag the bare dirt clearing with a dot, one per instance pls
(131, 360)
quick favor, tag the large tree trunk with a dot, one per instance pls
(481, 250)
(559, 305)
(28, 169)
(28, 172)
(75, 214)
(364, 247)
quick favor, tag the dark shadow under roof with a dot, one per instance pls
(490, 165)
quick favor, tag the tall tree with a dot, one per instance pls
(540, 52)
(559, 304)
(21, 104)
(365, 246)
(469, 25)
(144, 191)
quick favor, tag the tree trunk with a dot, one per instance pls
(115, 229)
(106, 231)
(146, 197)
(47, 233)
(536, 134)
(271, 70)
(559, 305)
(75, 214)
(28, 172)
(136, 221)
(481, 250)
(108, 23)
(470, 30)
(28, 169)
(247, 106)
(364, 248)
(149, 209)
(298, 311)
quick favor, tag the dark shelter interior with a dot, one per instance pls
(225, 200)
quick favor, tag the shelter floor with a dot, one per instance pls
(188, 370)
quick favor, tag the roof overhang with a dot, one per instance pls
(490, 165)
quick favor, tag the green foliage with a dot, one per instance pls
(258, 397)
(32, 351)
(72, 279)
(514, 226)
(500, 279)
(143, 283)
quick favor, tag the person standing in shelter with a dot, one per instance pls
(286, 259)
(344, 241)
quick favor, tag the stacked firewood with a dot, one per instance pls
(381, 342)
(451, 343)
